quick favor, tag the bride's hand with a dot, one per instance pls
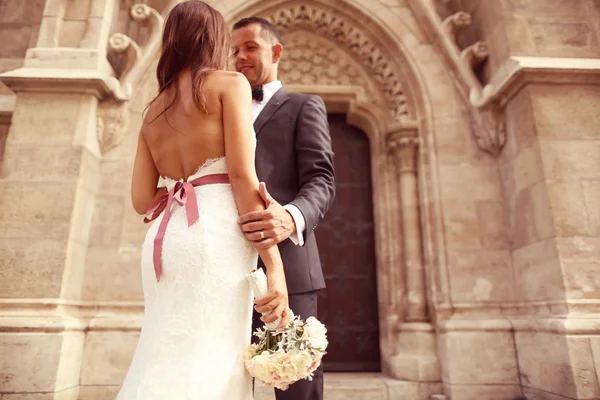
(276, 299)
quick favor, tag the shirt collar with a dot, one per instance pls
(269, 89)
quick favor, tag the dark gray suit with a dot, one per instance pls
(295, 160)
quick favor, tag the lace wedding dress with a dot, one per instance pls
(197, 318)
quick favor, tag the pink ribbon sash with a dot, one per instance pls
(185, 195)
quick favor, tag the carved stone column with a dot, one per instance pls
(414, 356)
(405, 149)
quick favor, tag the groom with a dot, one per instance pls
(295, 162)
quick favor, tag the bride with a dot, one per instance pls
(197, 135)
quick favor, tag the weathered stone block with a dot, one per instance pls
(491, 359)
(567, 370)
(113, 273)
(479, 392)
(480, 275)
(107, 221)
(570, 159)
(568, 208)
(43, 164)
(531, 216)
(54, 121)
(562, 34)
(31, 268)
(107, 357)
(29, 362)
(566, 111)
(538, 272)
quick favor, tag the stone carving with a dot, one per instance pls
(113, 115)
(111, 123)
(137, 58)
(487, 118)
(455, 22)
(487, 122)
(475, 54)
(311, 60)
(123, 44)
(325, 23)
(404, 150)
(488, 129)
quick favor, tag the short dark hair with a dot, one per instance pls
(265, 26)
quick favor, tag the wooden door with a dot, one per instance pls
(348, 306)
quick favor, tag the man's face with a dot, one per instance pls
(253, 54)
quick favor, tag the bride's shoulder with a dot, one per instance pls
(229, 82)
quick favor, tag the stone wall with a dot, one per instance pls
(550, 174)
(549, 188)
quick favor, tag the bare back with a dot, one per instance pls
(176, 143)
(185, 136)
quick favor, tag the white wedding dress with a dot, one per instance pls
(197, 319)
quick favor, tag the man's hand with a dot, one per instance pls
(269, 227)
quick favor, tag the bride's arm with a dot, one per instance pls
(236, 101)
(144, 179)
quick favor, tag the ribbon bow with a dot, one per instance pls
(184, 194)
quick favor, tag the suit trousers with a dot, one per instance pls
(304, 305)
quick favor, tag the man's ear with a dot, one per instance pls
(277, 50)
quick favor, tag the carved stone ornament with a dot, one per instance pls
(113, 114)
(325, 23)
(136, 57)
(313, 60)
(111, 123)
(487, 125)
(455, 22)
(475, 54)
(404, 149)
(488, 129)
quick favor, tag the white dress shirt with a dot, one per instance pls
(268, 91)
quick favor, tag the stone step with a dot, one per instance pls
(356, 386)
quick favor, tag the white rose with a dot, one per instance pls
(282, 365)
(318, 342)
(315, 327)
(302, 360)
(317, 333)
(259, 367)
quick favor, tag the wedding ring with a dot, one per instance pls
(262, 235)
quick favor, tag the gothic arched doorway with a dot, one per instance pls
(346, 239)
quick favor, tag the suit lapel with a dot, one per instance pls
(280, 97)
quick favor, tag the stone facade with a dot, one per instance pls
(482, 118)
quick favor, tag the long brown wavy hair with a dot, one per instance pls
(195, 37)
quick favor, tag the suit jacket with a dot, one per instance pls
(295, 160)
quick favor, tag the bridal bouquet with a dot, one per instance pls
(285, 356)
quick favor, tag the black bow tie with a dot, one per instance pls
(258, 94)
